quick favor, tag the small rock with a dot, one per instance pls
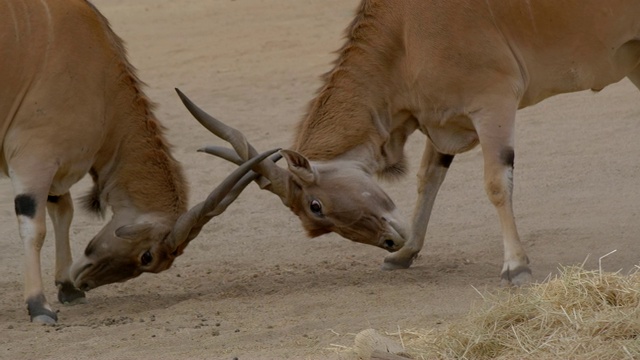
(369, 341)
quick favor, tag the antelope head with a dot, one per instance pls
(122, 252)
(333, 196)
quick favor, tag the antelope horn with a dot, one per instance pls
(238, 187)
(273, 178)
(229, 134)
(230, 155)
(222, 152)
(188, 225)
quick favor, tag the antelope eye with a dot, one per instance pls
(316, 207)
(146, 258)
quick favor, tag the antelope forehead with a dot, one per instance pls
(354, 200)
(122, 248)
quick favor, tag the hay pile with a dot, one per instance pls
(579, 314)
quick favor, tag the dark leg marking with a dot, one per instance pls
(69, 294)
(445, 160)
(53, 199)
(508, 156)
(35, 306)
(25, 205)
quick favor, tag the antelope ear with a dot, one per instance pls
(134, 231)
(299, 166)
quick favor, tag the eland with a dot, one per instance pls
(72, 105)
(457, 71)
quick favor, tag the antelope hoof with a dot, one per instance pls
(40, 311)
(518, 276)
(44, 319)
(69, 294)
(395, 262)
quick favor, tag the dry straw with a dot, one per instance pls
(577, 315)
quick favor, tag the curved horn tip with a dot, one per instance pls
(184, 98)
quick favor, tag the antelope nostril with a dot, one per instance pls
(389, 244)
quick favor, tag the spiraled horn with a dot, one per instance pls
(274, 178)
(188, 225)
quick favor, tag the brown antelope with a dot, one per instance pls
(457, 71)
(73, 105)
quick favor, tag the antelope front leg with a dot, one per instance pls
(433, 169)
(31, 182)
(30, 211)
(31, 220)
(496, 135)
(61, 212)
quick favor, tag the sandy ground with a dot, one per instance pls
(252, 285)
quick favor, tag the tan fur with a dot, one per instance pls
(71, 103)
(457, 70)
(338, 119)
(149, 169)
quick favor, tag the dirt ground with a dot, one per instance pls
(253, 286)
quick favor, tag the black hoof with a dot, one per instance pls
(44, 319)
(519, 276)
(38, 312)
(69, 294)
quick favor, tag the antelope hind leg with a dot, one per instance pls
(495, 128)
